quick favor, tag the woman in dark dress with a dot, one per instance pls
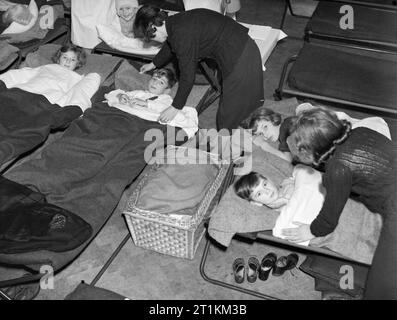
(201, 33)
(359, 163)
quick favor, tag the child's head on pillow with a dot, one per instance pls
(17, 13)
(70, 56)
(162, 81)
(257, 189)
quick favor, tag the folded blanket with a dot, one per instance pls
(38, 226)
(356, 235)
(47, 19)
(16, 27)
(172, 188)
(187, 118)
(8, 54)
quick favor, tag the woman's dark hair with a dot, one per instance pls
(318, 132)
(259, 114)
(244, 186)
(81, 55)
(168, 74)
(146, 20)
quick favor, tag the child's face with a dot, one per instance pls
(69, 60)
(158, 85)
(265, 192)
(127, 12)
(268, 130)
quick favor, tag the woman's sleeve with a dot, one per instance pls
(337, 181)
(163, 56)
(186, 53)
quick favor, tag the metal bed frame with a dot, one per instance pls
(283, 90)
(210, 96)
(288, 7)
(382, 45)
(263, 236)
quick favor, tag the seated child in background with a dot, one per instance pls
(156, 97)
(299, 198)
(126, 10)
(58, 82)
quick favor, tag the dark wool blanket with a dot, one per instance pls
(27, 119)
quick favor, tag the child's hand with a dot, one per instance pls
(300, 234)
(147, 67)
(123, 98)
(139, 102)
(168, 114)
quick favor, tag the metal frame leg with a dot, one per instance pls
(111, 259)
(288, 7)
(4, 296)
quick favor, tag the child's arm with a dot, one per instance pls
(81, 93)
(260, 142)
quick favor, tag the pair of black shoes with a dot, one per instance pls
(277, 266)
(262, 270)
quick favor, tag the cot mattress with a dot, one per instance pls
(370, 24)
(350, 74)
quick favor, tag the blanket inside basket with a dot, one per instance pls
(176, 188)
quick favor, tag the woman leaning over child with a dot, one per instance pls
(359, 163)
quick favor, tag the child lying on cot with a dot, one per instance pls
(299, 198)
(157, 92)
(148, 104)
(58, 82)
(268, 126)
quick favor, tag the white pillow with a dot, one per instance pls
(266, 39)
(16, 27)
(116, 40)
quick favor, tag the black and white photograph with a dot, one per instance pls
(197, 157)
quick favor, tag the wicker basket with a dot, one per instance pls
(168, 235)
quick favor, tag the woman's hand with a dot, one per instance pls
(147, 67)
(300, 234)
(168, 114)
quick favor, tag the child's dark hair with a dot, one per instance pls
(259, 114)
(244, 186)
(81, 55)
(168, 74)
(147, 19)
(318, 132)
